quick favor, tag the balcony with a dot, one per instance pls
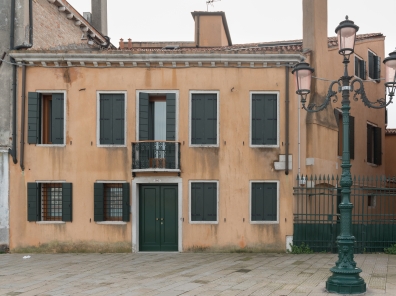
(155, 156)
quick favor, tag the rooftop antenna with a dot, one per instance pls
(210, 2)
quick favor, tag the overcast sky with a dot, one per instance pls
(248, 20)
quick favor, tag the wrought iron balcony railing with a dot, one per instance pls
(156, 156)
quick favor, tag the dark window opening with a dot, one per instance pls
(360, 68)
(374, 66)
(374, 150)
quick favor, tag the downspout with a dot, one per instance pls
(21, 157)
(287, 103)
(13, 150)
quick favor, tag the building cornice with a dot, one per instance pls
(176, 60)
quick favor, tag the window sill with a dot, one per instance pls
(51, 145)
(50, 222)
(111, 223)
(263, 146)
(111, 146)
(205, 222)
(264, 222)
(204, 145)
(372, 164)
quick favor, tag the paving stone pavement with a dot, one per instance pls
(171, 274)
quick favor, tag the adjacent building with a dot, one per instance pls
(178, 146)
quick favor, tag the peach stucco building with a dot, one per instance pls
(179, 146)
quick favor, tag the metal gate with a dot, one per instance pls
(317, 219)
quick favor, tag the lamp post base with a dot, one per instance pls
(345, 282)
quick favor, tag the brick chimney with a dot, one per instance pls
(99, 15)
(211, 29)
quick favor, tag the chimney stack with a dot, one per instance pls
(99, 15)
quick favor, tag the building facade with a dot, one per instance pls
(188, 146)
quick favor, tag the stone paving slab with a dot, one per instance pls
(187, 274)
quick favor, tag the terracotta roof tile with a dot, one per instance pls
(260, 47)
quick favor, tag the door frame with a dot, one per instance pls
(135, 206)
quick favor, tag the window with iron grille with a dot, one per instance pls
(49, 201)
(264, 202)
(111, 202)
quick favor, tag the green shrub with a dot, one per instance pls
(301, 249)
(391, 250)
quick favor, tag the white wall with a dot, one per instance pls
(4, 190)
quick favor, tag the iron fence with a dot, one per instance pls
(317, 217)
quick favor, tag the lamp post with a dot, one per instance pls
(345, 278)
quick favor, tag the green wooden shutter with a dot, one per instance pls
(118, 116)
(377, 146)
(98, 202)
(33, 118)
(171, 117)
(170, 148)
(264, 202)
(371, 65)
(106, 119)
(143, 116)
(197, 119)
(264, 119)
(257, 211)
(369, 143)
(57, 119)
(352, 137)
(357, 66)
(33, 202)
(363, 69)
(377, 63)
(125, 202)
(270, 202)
(67, 202)
(197, 202)
(210, 201)
(210, 119)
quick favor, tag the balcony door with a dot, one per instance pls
(157, 129)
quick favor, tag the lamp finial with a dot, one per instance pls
(346, 17)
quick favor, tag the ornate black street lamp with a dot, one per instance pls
(345, 278)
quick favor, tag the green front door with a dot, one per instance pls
(158, 218)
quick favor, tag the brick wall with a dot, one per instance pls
(52, 30)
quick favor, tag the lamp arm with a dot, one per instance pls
(312, 107)
(379, 104)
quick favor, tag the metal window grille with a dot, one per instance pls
(51, 202)
(113, 202)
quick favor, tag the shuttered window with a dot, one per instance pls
(46, 118)
(204, 119)
(112, 119)
(264, 124)
(203, 201)
(49, 202)
(338, 116)
(374, 66)
(374, 145)
(111, 202)
(264, 204)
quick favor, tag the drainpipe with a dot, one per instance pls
(13, 150)
(287, 103)
(23, 117)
